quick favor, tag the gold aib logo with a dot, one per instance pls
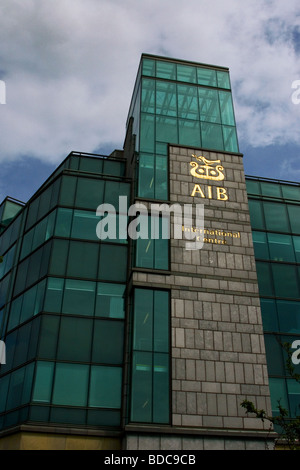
(209, 170)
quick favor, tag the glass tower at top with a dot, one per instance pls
(178, 102)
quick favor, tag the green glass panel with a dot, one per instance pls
(206, 77)
(187, 102)
(166, 100)
(289, 316)
(67, 415)
(28, 304)
(166, 70)
(256, 214)
(113, 263)
(147, 133)
(148, 96)
(260, 244)
(186, 73)
(274, 353)
(293, 389)
(209, 105)
(278, 394)
(27, 243)
(146, 176)
(161, 177)
(84, 225)
(264, 277)
(143, 320)
(63, 222)
(148, 67)
(15, 389)
(48, 336)
(92, 165)
(110, 300)
(4, 386)
(79, 297)
(253, 187)
(108, 342)
(226, 107)
(53, 295)
(269, 315)
(22, 343)
(166, 129)
(212, 137)
(160, 388)
(145, 253)
(15, 312)
(114, 189)
(189, 133)
(281, 247)
(75, 339)
(223, 79)
(112, 167)
(290, 192)
(161, 321)
(285, 281)
(296, 242)
(270, 189)
(27, 386)
(294, 217)
(276, 217)
(83, 260)
(230, 139)
(105, 387)
(67, 190)
(141, 390)
(103, 417)
(89, 193)
(71, 384)
(59, 256)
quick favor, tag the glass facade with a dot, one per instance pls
(63, 301)
(275, 215)
(178, 103)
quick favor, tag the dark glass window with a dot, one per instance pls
(71, 384)
(75, 339)
(108, 342)
(105, 387)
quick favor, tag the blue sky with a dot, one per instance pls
(69, 73)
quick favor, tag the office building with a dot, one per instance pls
(123, 343)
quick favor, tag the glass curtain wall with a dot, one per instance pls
(63, 321)
(275, 220)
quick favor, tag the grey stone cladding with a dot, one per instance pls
(218, 352)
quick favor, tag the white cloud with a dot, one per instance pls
(70, 69)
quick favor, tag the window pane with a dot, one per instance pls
(206, 77)
(230, 139)
(141, 391)
(166, 130)
(293, 388)
(278, 393)
(146, 176)
(285, 281)
(143, 320)
(269, 315)
(89, 193)
(110, 300)
(166, 99)
(83, 260)
(291, 192)
(294, 216)
(160, 388)
(108, 342)
(212, 136)
(281, 247)
(71, 384)
(43, 382)
(166, 70)
(253, 187)
(256, 214)
(189, 133)
(53, 297)
(59, 256)
(161, 321)
(113, 263)
(264, 279)
(148, 96)
(84, 225)
(67, 190)
(274, 353)
(79, 297)
(63, 222)
(260, 245)
(75, 339)
(209, 105)
(223, 79)
(276, 217)
(105, 387)
(188, 102)
(147, 137)
(48, 336)
(289, 316)
(226, 106)
(270, 189)
(186, 73)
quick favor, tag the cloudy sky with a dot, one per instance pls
(69, 68)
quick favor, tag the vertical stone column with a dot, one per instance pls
(218, 353)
